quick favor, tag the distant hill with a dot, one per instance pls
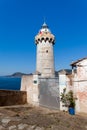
(18, 74)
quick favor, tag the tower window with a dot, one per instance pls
(50, 40)
(38, 39)
(47, 38)
(46, 51)
(35, 82)
(42, 38)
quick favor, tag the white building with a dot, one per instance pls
(76, 81)
(80, 84)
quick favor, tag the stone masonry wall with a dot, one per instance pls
(9, 97)
(45, 59)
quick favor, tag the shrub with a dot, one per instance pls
(68, 98)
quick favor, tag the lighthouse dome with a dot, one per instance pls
(45, 28)
(44, 34)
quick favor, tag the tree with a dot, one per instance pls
(68, 98)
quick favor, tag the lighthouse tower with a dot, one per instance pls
(45, 54)
(42, 87)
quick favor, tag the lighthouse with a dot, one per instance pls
(42, 87)
(45, 55)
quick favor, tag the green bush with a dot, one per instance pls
(68, 98)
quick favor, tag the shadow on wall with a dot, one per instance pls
(9, 97)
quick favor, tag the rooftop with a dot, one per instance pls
(79, 60)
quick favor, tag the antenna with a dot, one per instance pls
(44, 19)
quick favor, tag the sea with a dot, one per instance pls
(10, 83)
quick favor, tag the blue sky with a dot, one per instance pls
(20, 21)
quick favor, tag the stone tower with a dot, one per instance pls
(45, 54)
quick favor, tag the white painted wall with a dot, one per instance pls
(80, 86)
(30, 84)
(62, 85)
